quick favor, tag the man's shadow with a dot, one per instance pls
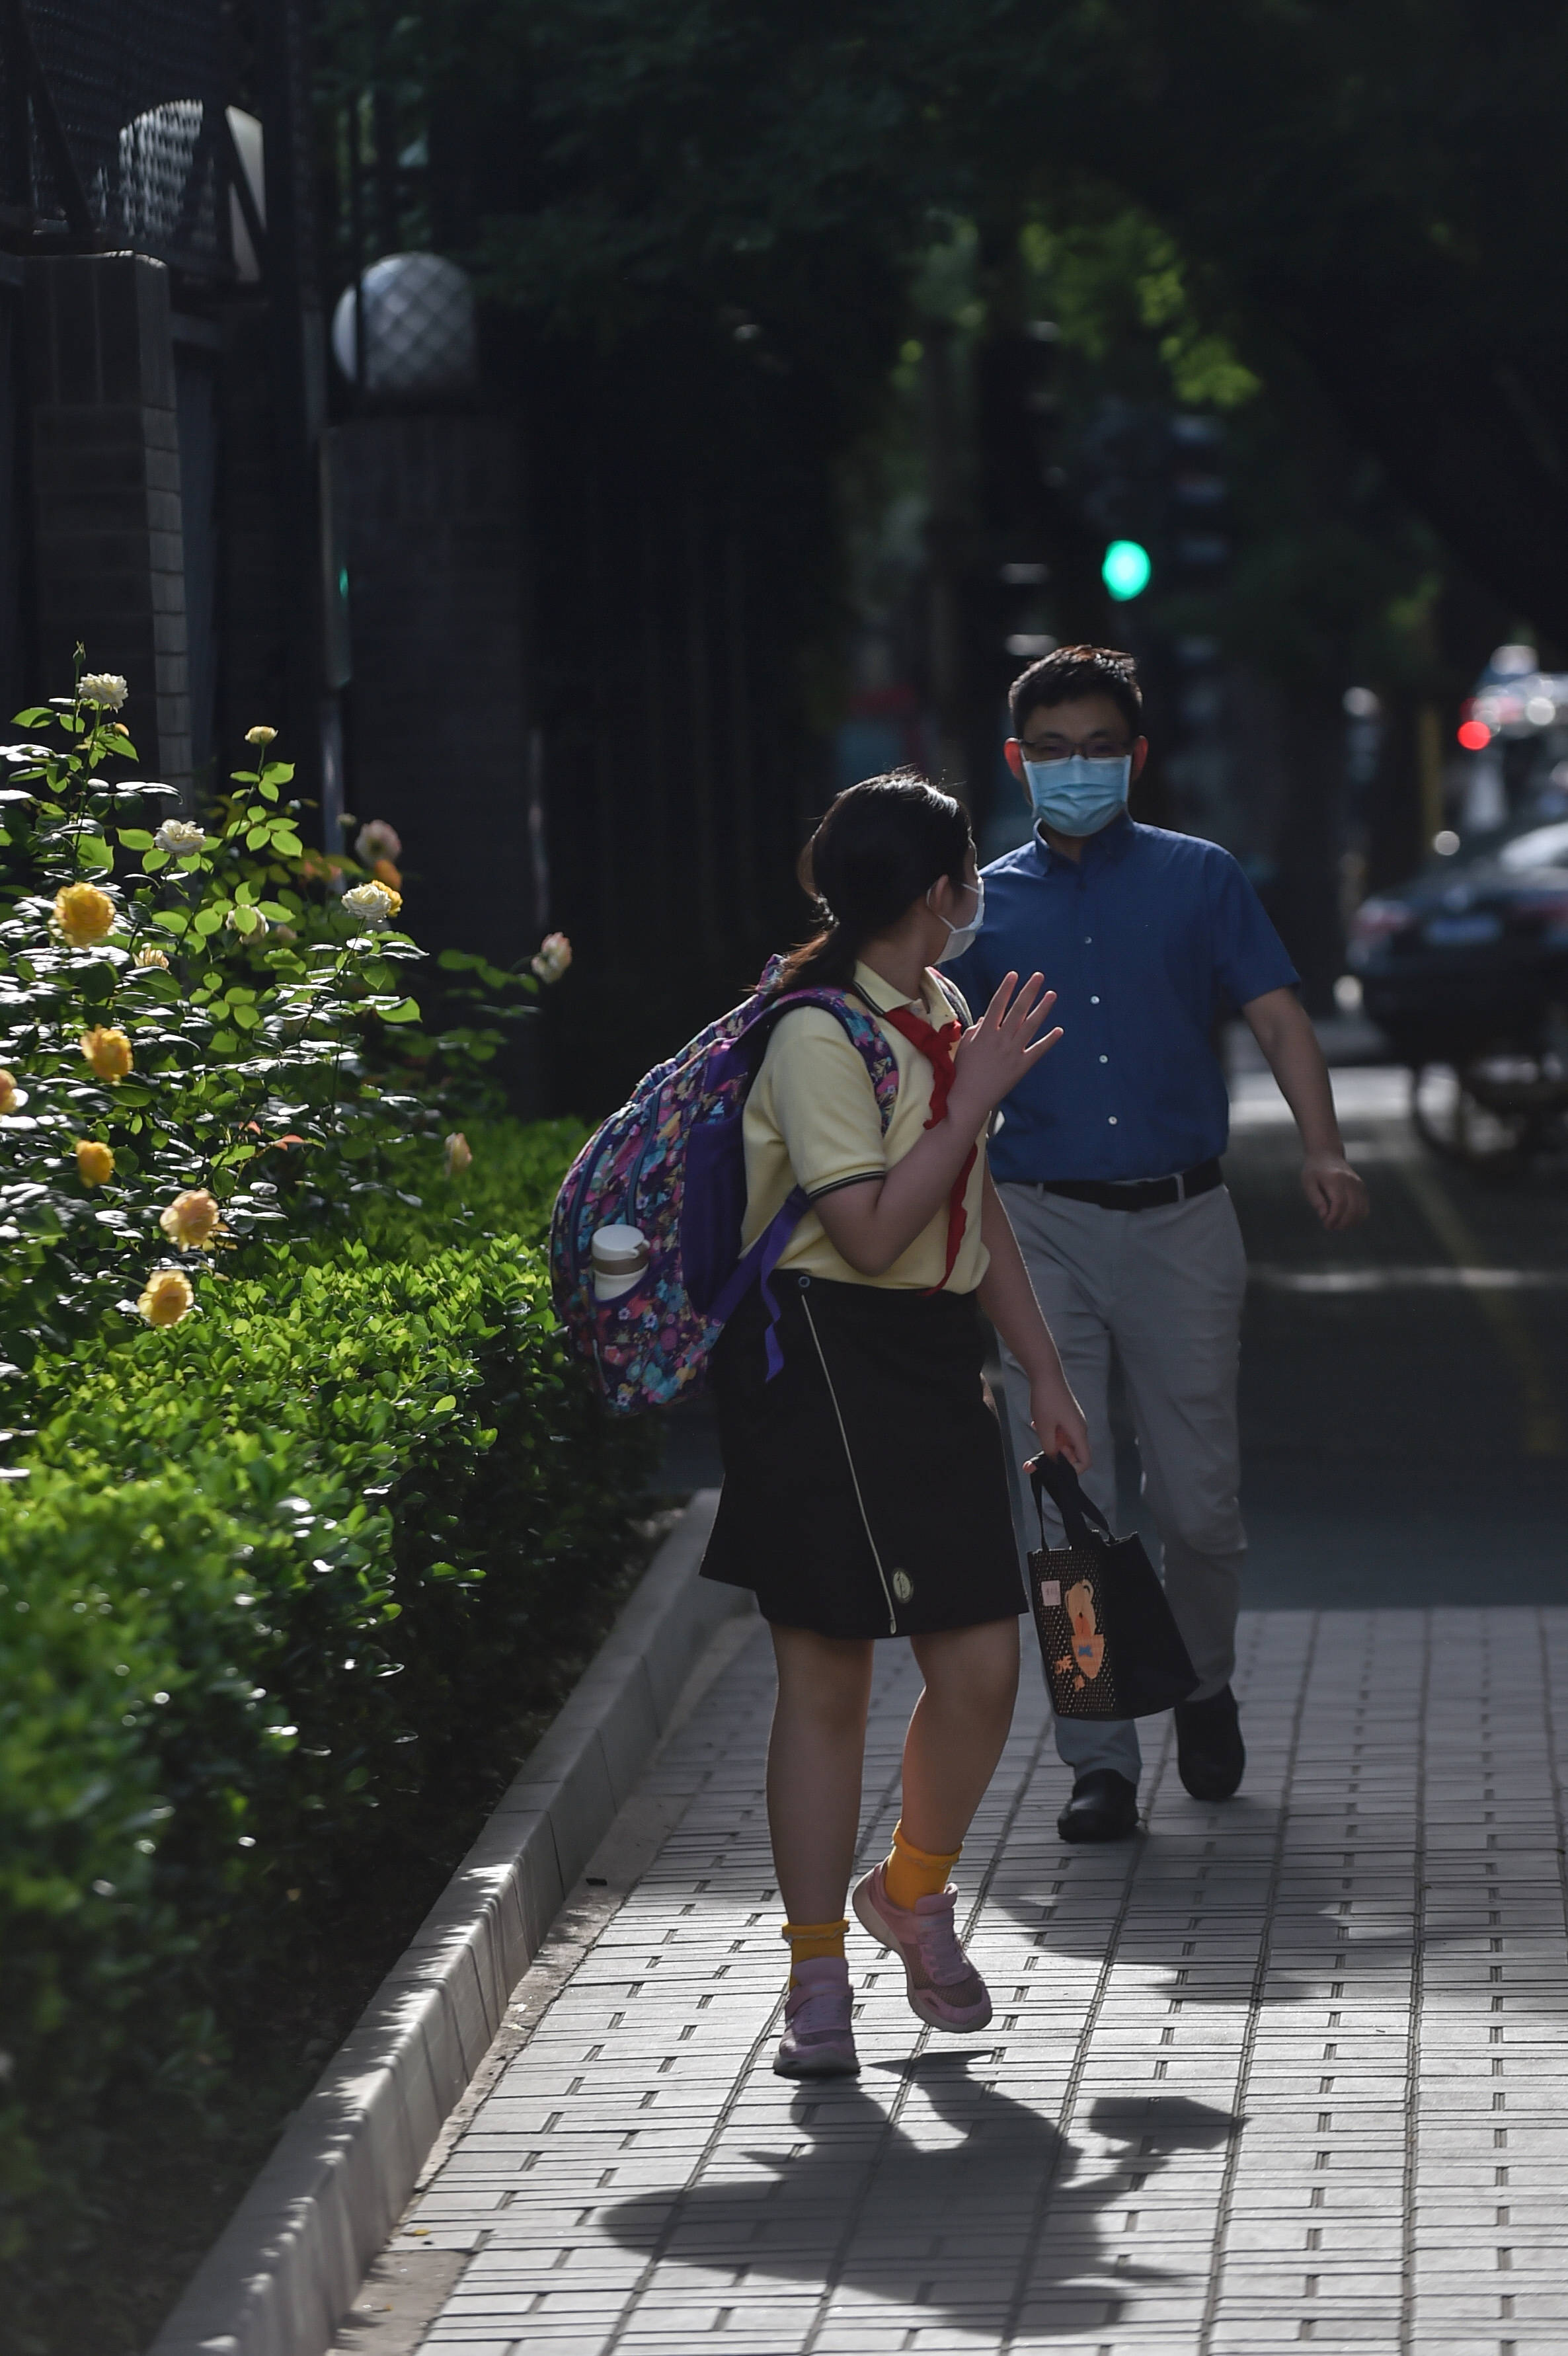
(865, 2204)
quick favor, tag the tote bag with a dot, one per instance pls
(1108, 1640)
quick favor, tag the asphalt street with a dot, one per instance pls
(1404, 1389)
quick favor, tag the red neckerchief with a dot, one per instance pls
(939, 1049)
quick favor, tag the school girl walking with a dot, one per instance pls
(865, 1492)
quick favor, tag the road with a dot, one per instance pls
(1404, 1394)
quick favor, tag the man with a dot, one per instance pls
(1108, 1159)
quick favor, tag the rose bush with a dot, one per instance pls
(219, 998)
(307, 1515)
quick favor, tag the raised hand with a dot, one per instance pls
(996, 1052)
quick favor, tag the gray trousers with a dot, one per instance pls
(1166, 1287)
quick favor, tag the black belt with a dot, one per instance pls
(1138, 1194)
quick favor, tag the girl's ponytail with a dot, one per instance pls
(882, 846)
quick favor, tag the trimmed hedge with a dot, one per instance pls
(264, 1576)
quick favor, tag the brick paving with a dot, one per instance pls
(1286, 2070)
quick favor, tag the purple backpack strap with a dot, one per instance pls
(759, 1263)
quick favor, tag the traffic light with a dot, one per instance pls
(1126, 569)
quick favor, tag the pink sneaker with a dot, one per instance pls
(817, 2041)
(943, 1986)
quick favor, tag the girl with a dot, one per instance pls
(865, 1491)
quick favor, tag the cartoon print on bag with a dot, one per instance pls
(1087, 1657)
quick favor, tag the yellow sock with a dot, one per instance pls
(808, 1939)
(911, 1873)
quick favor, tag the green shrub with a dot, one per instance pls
(269, 1570)
(289, 1569)
(509, 1190)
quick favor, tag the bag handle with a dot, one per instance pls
(1053, 1477)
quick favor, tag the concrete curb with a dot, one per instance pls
(289, 2265)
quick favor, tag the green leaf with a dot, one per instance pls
(209, 920)
(173, 920)
(135, 837)
(405, 1010)
(154, 862)
(94, 851)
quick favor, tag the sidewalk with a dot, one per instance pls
(1291, 2070)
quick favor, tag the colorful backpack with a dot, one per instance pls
(671, 1163)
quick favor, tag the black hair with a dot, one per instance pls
(1072, 671)
(882, 845)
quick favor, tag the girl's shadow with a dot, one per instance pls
(969, 2221)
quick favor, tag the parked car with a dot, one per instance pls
(1466, 965)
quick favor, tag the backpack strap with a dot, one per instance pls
(757, 1265)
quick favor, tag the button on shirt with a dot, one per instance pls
(1145, 940)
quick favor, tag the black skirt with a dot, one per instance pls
(865, 1490)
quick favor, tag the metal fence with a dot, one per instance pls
(113, 130)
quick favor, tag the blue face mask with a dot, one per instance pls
(1077, 797)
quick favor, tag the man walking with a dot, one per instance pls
(1108, 1159)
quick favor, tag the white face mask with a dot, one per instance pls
(962, 937)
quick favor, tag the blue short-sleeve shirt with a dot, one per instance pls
(1146, 941)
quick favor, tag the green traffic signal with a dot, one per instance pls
(1125, 570)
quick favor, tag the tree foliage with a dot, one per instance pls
(1376, 189)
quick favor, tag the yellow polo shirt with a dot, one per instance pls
(811, 1118)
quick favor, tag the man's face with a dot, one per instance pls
(1089, 725)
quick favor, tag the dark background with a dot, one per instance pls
(820, 353)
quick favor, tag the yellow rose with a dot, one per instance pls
(459, 1154)
(260, 736)
(11, 1096)
(94, 1162)
(192, 1219)
(84, 913)
(108, 1052)
(152, 956)
(166, 1298)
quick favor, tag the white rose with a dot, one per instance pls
(178, 835)
(369, 903)
(554, 956)
(104, 688)
(377, 839)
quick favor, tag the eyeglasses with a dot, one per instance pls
(1097, 747)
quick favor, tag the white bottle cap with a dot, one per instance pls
(620, 1257)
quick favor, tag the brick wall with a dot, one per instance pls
(106, 486)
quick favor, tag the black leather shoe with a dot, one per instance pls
(1103, 1807)
(1211, 1757)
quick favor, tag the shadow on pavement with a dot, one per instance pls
(968, 2229)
